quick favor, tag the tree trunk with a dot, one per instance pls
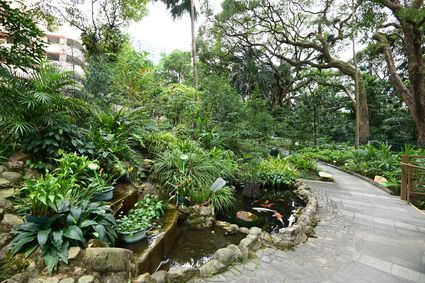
(413, 93)
(192, 24)
(363, 115)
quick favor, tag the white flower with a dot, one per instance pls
(184, 157)
(93, 166)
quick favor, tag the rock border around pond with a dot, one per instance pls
(255, 239)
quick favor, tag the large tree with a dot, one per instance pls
(299, 32)
(18, 29)
(101, 22)
(401, 40)
(177, 9)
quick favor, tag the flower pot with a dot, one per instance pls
(105, 195)
(132, 237)
(41, 220)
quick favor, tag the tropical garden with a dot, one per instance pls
(268, 89)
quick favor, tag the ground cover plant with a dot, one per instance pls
(369, 160)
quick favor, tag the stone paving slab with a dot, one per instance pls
(364, 235)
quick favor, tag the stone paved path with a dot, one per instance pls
(364, 235)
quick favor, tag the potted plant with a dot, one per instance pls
(133, 226)
(132, 229)
(43, 196)
(101, 186)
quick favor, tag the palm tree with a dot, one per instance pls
(36, 102)
(177, 9)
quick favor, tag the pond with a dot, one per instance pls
(169, 246)
(193, 248)
(282, 201)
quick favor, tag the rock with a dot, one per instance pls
(20, 156)
(255, 231)
(182, 275)
(224, 255)
(6, 205)
(380, 180)
(95, 243)
(205, 211)
(11, 220)
(67, 280)
(244, 251)
(246, 216)
(244, 230)
(109, 260)
(32, 268)
(12, 177)
(31, 174)
(2, 212)
(6, 193)
(326, 176)
(55, 280)
(160, 276)
(14, 166)
(237, 253)
(144, 278)
(4, 183)
(210, 268)
(2, 168)
(73, 252)
(86, 279)
(219, 223)
(18, 278)
(147, 164)
(232, 229)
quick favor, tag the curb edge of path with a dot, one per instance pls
(364, 178)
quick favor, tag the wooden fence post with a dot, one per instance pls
(404, 177)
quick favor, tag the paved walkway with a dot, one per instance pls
(364, 235)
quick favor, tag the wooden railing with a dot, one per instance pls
(412, 177)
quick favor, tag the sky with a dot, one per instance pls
(158, 33)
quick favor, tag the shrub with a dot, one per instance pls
(189, 168)
(70, 226)
(276, 172)
(76, 179)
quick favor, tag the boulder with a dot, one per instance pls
(73, 252)
(212, 267)
(225, 256)
(246, 216)
(12, 177)
(11, 220)
(6, 193)
(15, 166)
(4, 183)
(86, 279)
(144, 278)
(326, 176)
(380, 180)
(67, 280)
(20, 156)
(206, 211)
(147, 164)
(55, 280)
(160, 276)
(1, 214)
(109, 260)
(2, 168)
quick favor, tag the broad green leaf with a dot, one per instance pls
(43, 236)
(74, 232)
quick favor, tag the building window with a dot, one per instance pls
(52, 56)
(53, 40)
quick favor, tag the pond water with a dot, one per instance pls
(282, 201)
(193, 248)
